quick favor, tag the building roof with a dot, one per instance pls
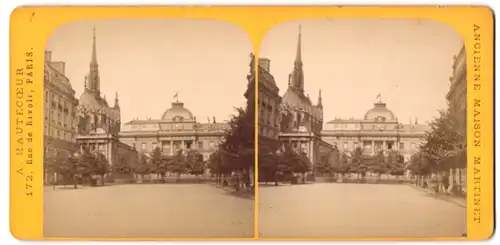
(92, 101)
(177, 111)
(379, 111)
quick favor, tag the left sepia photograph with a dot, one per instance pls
(149, 130)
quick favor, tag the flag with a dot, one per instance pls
(176, 96)
(378, 96)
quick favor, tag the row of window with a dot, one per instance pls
(176, 145)
(60, 119)
(59, 101)
(268, 132)
(368, 145)
(59, 134)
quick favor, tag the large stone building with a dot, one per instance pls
(60, 119)
(98, 122)
(457, 95)
(379, 130)
(176, 130)
(301, 120)
(269, 104)
(457, 101)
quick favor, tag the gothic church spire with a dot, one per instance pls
(93, 83)
(297, 76)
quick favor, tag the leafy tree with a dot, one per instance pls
(122, 167)
(396, 164)
(195, 164)
(87, 165)
(102, 166)
(237, 148)
(441, 142)
(142, 167)
(342, 167)
(158, 163)
(359, 162)
(58, 164)
(177, 165)
(378, 164)
(301, 164)
(214, 165)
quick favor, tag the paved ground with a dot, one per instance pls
(329, 210)
(147, 211)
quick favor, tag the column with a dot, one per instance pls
(311, 154)
(171, 147)
(110, 154)
(373, 147)
(384, 145)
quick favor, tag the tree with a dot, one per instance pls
(378, 164)
(87, 165)
(102, 166)
(122, 167)
(141, 167)
(214, 165)
(158, 163)
(441, 142)
(359, 162)
(419, 165)
(177, 165)
(301, 164)
(237, 147)
(195, 164)
(342, 167)
(396, 164)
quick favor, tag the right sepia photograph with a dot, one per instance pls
(362, 130)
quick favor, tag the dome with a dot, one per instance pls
(379, 112)
(91, 101)
(177, 111)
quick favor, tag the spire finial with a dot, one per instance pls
(94, 51)
(298, 57)
(116, 100)
(297, 77)
(320, 100)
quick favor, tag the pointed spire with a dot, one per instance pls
(298, 55)
(94, 83)
(320, 100)
(116, 100)
(94, 51)
(297, 76)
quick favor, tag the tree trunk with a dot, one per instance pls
(74, 182)
(276, 178)
(178, 177)
(304, 178)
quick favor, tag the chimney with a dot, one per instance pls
(48, 56)
(59, 66)
(265, 64)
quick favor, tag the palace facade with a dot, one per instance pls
(176, 130)
(378, 130)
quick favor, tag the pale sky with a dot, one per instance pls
(352, 60)
(149, 60)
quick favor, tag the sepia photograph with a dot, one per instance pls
(362, 130)
(149, 130)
